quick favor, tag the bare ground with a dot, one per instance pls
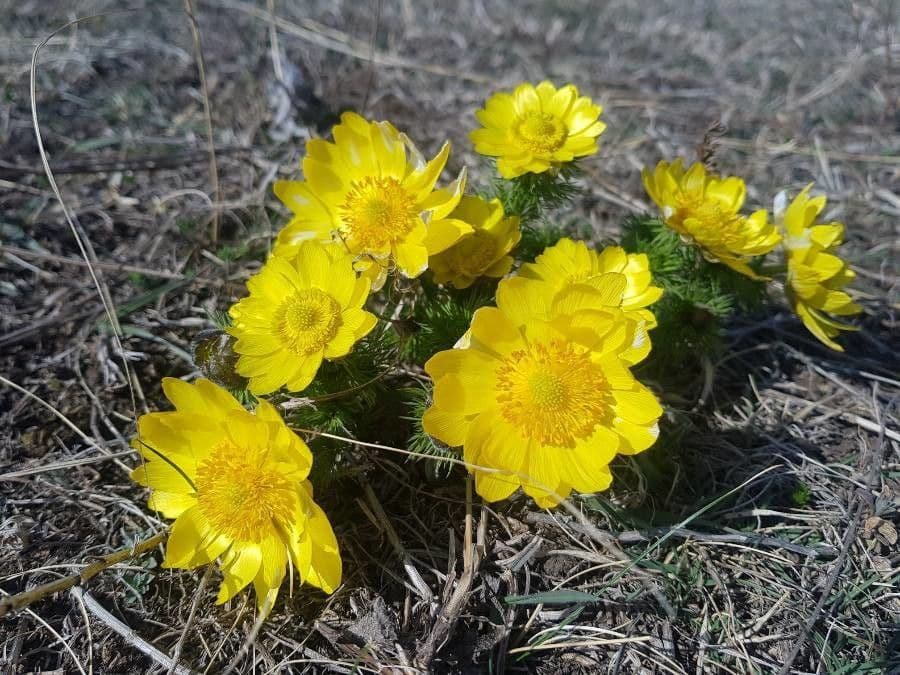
(785, 470)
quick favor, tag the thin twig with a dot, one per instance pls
(109, 266)
(127, 633)
(65, 420)
(342, 43)
(54, 633)
(195, 602)
(251, 636)
(607, 542)
(372, 40)
(90, 165)
(637, 536)
(580, 644)
(87, 629)
(378, 510)
(58, 466)
(84, 244)
(207, 113)
(853, 418)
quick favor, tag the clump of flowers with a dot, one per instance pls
(537, 346)
(236, 484)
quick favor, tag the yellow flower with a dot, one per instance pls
(569, 262)
(545, 405)
(525, 299)
(372, 190)
(815, 277)
(299, 311)
(537, 127)
(235, 483)
(485, 251)
(704, 209)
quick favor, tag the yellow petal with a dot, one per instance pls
(442, 234)
(493, 331)
(186, 538)
(324, 569)
(466, 393)
(421, 182)
(245, 560)
(412, 259)
(636, 437)
(639, 405)
(493, 487)
(466, 363)
(170, 504)
(543, 480)
(524, 300)
(605, 290)
(274, 562)
(304, 372)
(186, 397)
(440, 203)
(449, 428)
(283, 438)
(158, 474)
(588, 466)
(491, 442)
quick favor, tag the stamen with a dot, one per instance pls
(377, 213)
(244, 496)
(540, 131)
(307, 321)
(553, 393)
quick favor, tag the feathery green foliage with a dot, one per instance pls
(442, 317)
(535, 195)
(417, 400)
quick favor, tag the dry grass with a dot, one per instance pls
(770, 527)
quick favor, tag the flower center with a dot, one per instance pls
(710, 223)
(243, 496)
(553, 393)
(541, 132)
(307, 321)
(474, 254)
(377, 213)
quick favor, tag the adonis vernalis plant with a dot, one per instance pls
(535, 343)
(482, 253)
(542, 396)
(301, 309)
